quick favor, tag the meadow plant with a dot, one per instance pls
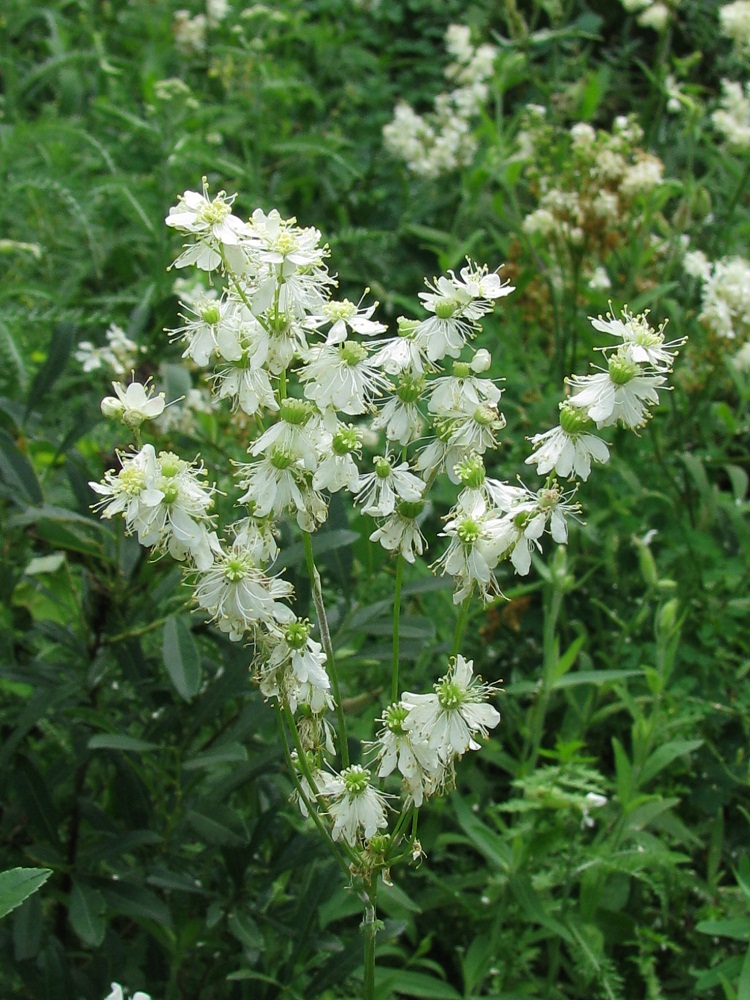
(320, 384)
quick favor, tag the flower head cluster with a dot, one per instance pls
(119, 354)
(442, 141)
(734, 22)
(424, 734)
(732, 117)
(593, 203)
(652, 13)
(725, 295)
(636, 370)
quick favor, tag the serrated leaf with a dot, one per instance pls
(86, 913)
(17, 884)
(181, 657)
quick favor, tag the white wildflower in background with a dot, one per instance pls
(118, 994)
(732, 118)
(119, 354)
(441, 141)
(725, 296)
(734, 21)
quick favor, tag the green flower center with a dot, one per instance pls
(382, 468)
(485, 416)
(449, 695)
(211, 314)
(410, 389)
(468, 531)
(471, 471)
(410, 509)
(461, 369)
(295, 411)
(339, 310)
(133, 481)
(170, 491)
(214, 212)
(356, 779)
(395, 716)
(297, 633)
(622, 370)
(572, 419)
(445, 308)
(345, 440)
(171, 464)
(352, 353)
(282, 458)
(235, 570)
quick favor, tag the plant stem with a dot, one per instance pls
(396, 621)
(463, 617)
(370, 930)
(325, 638)
(552, 607)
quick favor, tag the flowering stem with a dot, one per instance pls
(396, 620)
(325, 638)
(310, 804)
(461, 621)
(552, 607)
(369, 929)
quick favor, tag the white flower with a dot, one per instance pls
(343, 377)
(212, 222)
(732, 119)
(337, 468)
(400, 532)
(644, 344)
(117, 994)
(408, 751)
(450, 718)
(476, 544)
(344, 316)
(357, 809)
(734, 19)
(621, 393)
(568, 449)
(134, 404)
(240, 597)
(379, 491)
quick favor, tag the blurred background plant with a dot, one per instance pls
(599, 848)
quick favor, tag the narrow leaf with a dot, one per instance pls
(53, 367)
(86, 913)
(119, 741)
(18, 473)
(181, 658)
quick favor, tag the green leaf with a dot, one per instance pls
(487, 842)
(18, 473)
(86, 913)
(18, 884)
(664, 755)
(324, 541)
(594, 677)
(227, 753)
(120, 741)
(53, 367)
(222, 828)
(181, 657)
(418, 984)
(737, 928)
(569, 657)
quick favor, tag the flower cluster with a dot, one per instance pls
(594, 204)
(732, 117)
(725, 295)
(119, 354)
(652, 13)
(312, 377)
(734, 22)
(442, 141)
